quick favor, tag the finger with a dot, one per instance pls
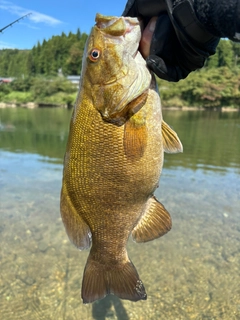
(164, 38)
(145, 43)
(165, 71)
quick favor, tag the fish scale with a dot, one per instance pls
(114, 159)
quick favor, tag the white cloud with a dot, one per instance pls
(42, 18)
(35, 17)
(5, 45)
(31, 26)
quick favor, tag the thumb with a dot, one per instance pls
(146, 39)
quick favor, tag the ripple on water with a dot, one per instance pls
(191, 273)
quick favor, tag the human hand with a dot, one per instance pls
(174, 43)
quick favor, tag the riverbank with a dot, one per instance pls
(216, 89)
(34, 105)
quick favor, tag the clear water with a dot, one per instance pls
(190, 273)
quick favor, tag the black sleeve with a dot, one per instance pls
(220, 17)
(187, 32)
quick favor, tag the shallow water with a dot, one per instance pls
(190, 273)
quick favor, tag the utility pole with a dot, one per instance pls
(10, 24)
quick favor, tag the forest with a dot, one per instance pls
(36, 79)
(64, 51)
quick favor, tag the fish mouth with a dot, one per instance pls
(127, 29)
(116, 26)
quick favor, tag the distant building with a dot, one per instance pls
(74, 80)
(6, 80)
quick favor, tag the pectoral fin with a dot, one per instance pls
(171, 142)
(154, 223)
(76, 229)
(135, 140)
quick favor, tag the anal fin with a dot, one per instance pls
(154, 223)
(76, 229)
(171, 142)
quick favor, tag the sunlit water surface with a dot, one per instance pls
(190, 273)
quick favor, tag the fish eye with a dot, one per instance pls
(94, 55)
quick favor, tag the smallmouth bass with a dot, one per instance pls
(113, 160)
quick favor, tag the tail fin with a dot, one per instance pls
(121, 280)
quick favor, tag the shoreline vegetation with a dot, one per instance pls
(38, 77)
(206, 89)
(33, 105)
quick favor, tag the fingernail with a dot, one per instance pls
(152, 25)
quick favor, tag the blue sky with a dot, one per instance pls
(50, 17)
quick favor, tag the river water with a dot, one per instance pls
(190, 273)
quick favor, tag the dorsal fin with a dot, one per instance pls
(171, 142)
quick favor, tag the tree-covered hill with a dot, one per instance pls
(60, 52)
(35, 71)
(65, 52)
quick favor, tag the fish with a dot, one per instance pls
(113, 160)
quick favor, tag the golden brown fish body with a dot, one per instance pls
(114, 159)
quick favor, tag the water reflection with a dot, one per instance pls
(191, 273)
(210, 139)
(39, 131)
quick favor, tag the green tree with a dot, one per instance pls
(74, 60)
(64, 51)
(236, 53)
(225, 54)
